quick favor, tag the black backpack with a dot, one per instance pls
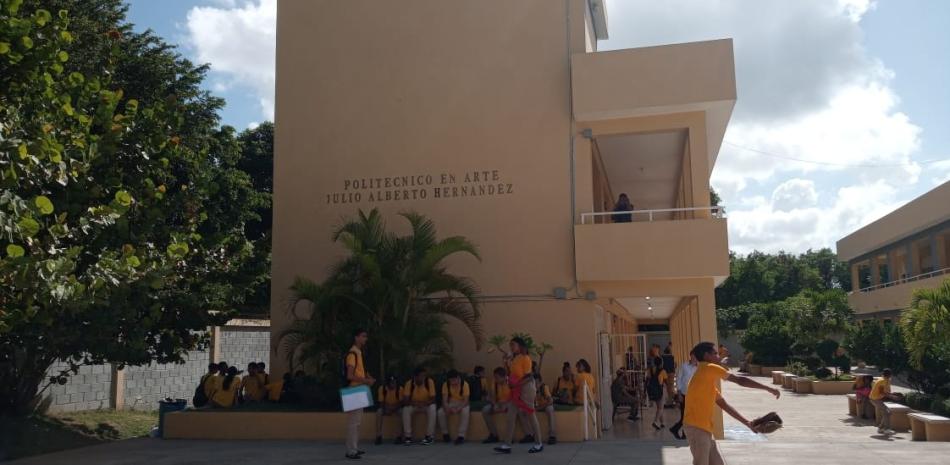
(200, 399)
(475, 393)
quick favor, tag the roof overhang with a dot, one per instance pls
(598, 15)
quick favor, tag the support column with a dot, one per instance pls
(855, 277)
(891, 269)
(914, 259)
(934, 258)
(117, 394)
(706, 309)
(214, 351)
(699, 165)
(875, 271)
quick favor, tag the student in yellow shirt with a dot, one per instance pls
(544, 402)
(357, 376)
(207, 385)
(704, 396)
(566, 386)
(455, 395)
(584, 377)
(252, 390)
(225, 394)
(523, 392)
(419, 397)
(880, 394)
(499, 398)
(389, 400)
(262, 375)
(275, 390)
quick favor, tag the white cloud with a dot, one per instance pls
(238, 39)
(793, 194)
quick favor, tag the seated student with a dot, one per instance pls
(455, 400)
(389, 401)
(262, 375)
(584, 377)
(225, 395)
(419, 397)
(478, 384)
(544, 402)
(499, 400)
(862, 389)
(206, 385)
(881, 393)
(620, 394)
(277, 390)
(566, 386)
(252, 390)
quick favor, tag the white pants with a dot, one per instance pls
(552, 430)
(407, 413)
(463, 419)
(353, 420)
(488, 414)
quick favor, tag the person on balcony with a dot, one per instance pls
(623, 205)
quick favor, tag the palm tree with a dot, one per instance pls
(926, 323)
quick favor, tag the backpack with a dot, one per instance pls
(474, 389)
(200, 399)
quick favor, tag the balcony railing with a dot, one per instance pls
(905, 280)
(715, 212)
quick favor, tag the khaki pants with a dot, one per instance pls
(407, 413)
(883, 412)
(552, 428)
(353, 420)
(528, 420)
(488, 414)
(381, 413)
(463, 418)
(703, 446)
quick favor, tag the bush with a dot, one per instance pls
(768, 339)
(918, 401)
(843, 363)
(810, 362)
(826, 350)
(823, 373)
(798, 369)
(940, 406)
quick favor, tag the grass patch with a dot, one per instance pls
(41, 434)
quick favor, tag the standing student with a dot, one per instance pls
(683, 375)
(356, 376)
(390, 404)
(455, 401)
(545, 403)
(499, 400)
(656, 384)
(862, 391)
(704, 395)
(623, 205)
(669, 364)
(418, 397)
(523, 391)
(566, 386)
(584, 378)
(881, 393)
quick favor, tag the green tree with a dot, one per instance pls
(926, 324)
(768, 338)
(814, 316)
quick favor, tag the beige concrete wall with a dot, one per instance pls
(917, 215)
(895, 297)
(651, 250)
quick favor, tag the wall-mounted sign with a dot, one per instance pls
(439, 186)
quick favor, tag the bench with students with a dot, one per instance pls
(923, 426)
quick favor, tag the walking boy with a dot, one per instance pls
(703, 396)
(356, 375)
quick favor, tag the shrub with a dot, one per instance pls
(768, 339)
(810, 362)
(843, 363)
(798, 369)
(940, 406)
(918, 400)
(823, 373)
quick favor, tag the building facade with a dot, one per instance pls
(501, 122)
(905, 250)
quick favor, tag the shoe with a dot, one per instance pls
(446, 438)
(880, 431)
(675, 431)
(503, 449)
(379, 440)
(889, 431)
(491, 439)
(407, 441)
(552, 441)
(536, 448)
(656, 426)
(353, 456)
(528, 439)
(360, 452)
(426, 441)
(459, 441)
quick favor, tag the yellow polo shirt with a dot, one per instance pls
(253, 388)
(520, 366)
(420, 394)
(390, 397)
(703, 392)
(881, 388)
(502, 393)
(544, 397)
(225, 397)
(274, 390)
(210, 383)
(354, 358)
(582, 379)
(459, 394)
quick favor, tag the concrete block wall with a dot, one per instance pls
(140, 388)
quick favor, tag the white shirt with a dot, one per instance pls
(684, 374)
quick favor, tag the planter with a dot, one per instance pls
(803, 385)
(767, 371)
(777, 377)
(832, 387)
(788, 380)
(755, 370)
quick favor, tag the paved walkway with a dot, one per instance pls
(818, 432)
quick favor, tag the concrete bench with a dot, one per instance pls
(853, 405)
(899, 413)
(929, 427)
(788, 380)
(777, 377)
(802, 385)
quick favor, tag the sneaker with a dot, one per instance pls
(675, 431)
(536, 448)
(889, 431)
(491, 439)
(880, 430)
(503, 449)
(407, 441)
(528, 439)
(360, 452)
(353, 456)
(446, 438)
(379, 440)
(552, 441)
(459, 441)
(426, 441)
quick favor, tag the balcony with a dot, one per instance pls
(894, 295)
(658, 244)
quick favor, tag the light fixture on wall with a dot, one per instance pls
(648, 297)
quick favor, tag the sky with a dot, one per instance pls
(843, 110)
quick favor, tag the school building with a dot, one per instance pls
(907, 249)
(502, 122)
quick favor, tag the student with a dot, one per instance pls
(455, 401)
(704, 395)
(656, 384)
(623, 205)
(478, 384)
(545, 403)
(683, 375)
(724, 356)
(881, 393)
(207, 386)
(225, 394)
(356, 376)
(862, 390)
(566, 386)
(251, 389)
(499, 398)
(630, 359)
(418, 397)
(389, 399)
(669, 364)
(620, 394)
(584, 377)
(523, 391)
(262, 375)
(277, 391)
